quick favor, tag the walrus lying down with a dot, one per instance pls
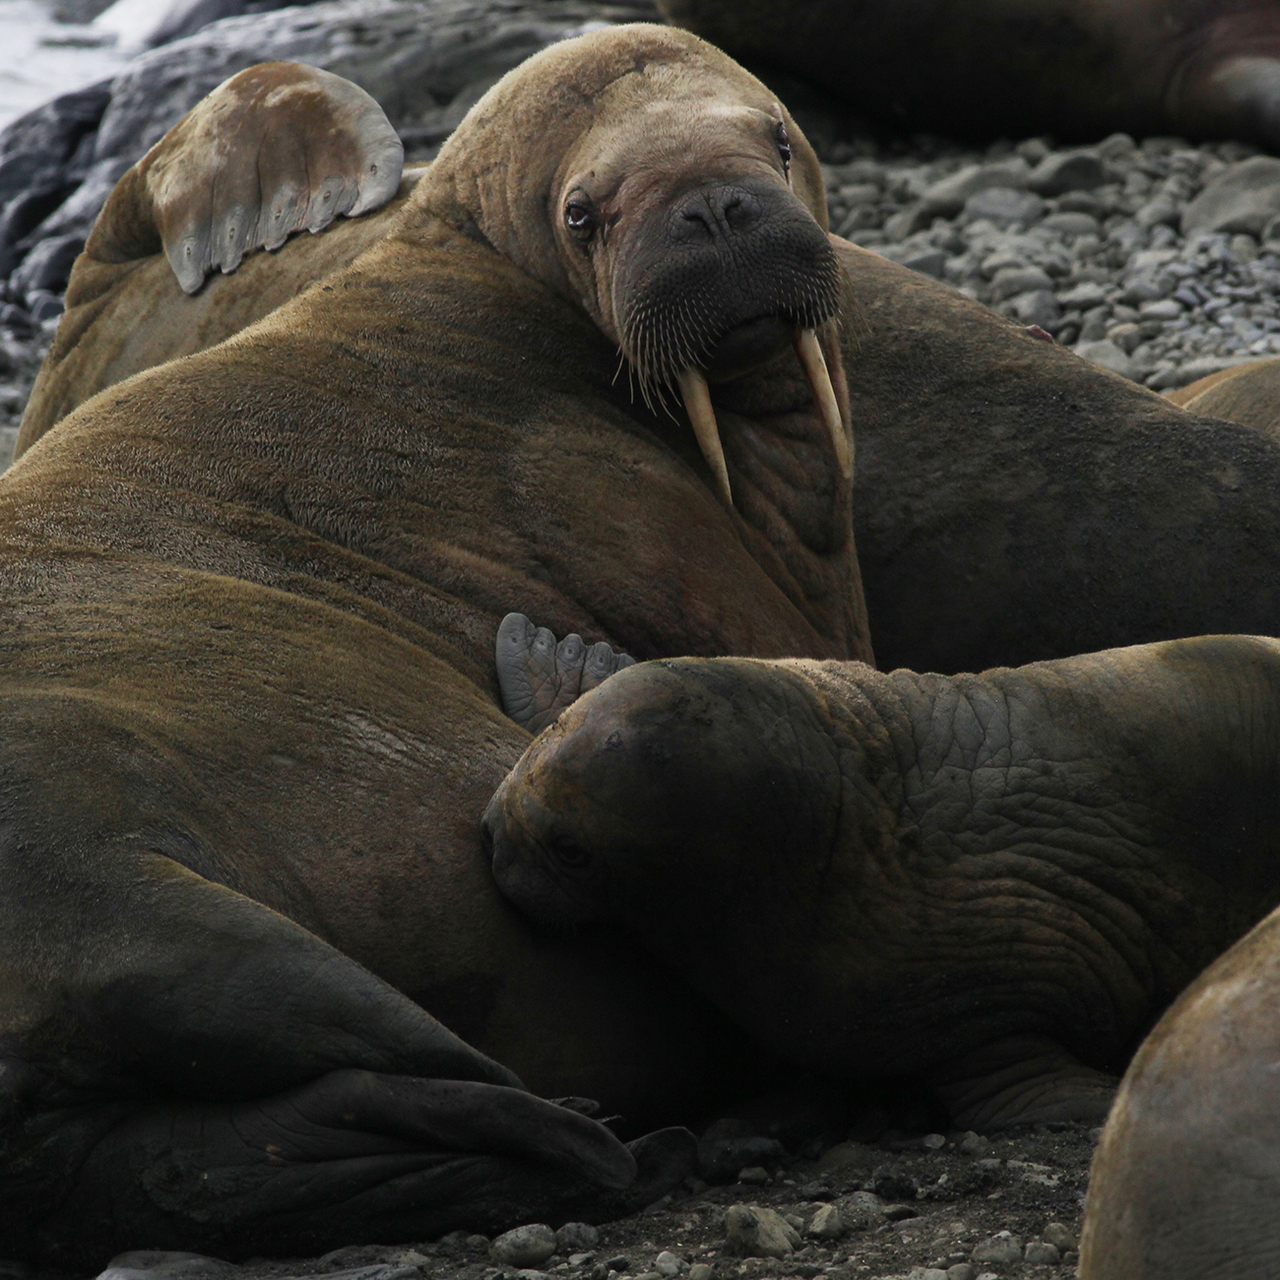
(283, 560)
(258, 981)
(995, 881)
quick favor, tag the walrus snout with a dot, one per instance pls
(716, 285)
(714, 213)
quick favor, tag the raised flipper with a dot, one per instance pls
(185, 1068)
(277, 148)
(539, 677)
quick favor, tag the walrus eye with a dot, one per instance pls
(580, 218)
(568, 852)
(783, 140)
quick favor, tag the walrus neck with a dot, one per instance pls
(794, 504)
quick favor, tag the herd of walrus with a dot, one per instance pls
(307, 941)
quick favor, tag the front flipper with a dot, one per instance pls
(276, 149)
(352, 1157)
(540, 678)
(1022, 1080)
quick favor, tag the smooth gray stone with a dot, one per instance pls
(1244, 197)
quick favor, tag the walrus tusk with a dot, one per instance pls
(824, 394)
(697, 404)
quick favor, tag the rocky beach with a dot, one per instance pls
(1157, 258)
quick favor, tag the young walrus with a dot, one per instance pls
(993, 881)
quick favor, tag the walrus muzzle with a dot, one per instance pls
(722, 281)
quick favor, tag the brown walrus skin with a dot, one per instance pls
(1247, 393)
(1185, 1181)
(1006, 490)
(994, 881)
(250, 718)
(1078, 69)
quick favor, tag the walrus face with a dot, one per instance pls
(661, 187)
(655, 793)
(687, 244)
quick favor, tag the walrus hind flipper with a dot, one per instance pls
(539, 677)
(197, 1071)
(276, 149)
(352, 1157)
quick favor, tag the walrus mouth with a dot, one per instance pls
(696, 395)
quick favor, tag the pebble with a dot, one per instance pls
(757, 1232)
(862, 1211)
(999, 1249)
(827, 1223)
(525, 1246)
(576, 1237)
(1062, 1237)
(1042, 1251)
(1159, 261)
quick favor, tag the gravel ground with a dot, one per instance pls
(1159, 260)
(1124, 252)
(931, 1207)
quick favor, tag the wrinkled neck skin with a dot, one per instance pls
(632, 132)
(1057, 850)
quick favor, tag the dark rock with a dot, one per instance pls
(24, 214)
(730, 1145)
(892, 1184)
(36, 147)
(1005, 206)
(44, 305)
(77, 11)
(186, 17)
(1244, 197)
(47, 266)
(76, 214)
(1066, 171)
(15, 317)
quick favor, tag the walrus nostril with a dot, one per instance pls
(713, 213)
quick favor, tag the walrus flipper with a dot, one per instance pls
(539, 677)
(276, 149)
(193, 1070)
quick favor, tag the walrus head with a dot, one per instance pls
(650, 179)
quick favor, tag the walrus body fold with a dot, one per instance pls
(250, 718)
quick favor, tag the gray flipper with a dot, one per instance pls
(540, 678)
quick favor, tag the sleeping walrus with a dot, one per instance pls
(1074, 68)
(250, 719)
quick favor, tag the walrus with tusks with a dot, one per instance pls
(1073, 68)
(1005, 489)
(257, 978)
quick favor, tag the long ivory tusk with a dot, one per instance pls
(697, 404)
(824, 394)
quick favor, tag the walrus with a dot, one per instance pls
(1184, 1181)
(261, 994)
(992, 881)
(1077, 69)
(1246, 393)
(1005, 490)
